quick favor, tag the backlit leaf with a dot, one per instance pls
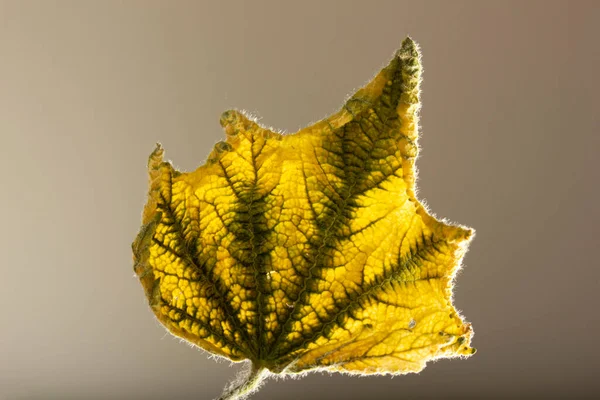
(308, 251)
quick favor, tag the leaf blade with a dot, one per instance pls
(310, 250)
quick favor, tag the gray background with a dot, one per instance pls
(509, 146)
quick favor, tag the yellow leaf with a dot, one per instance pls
(308, 251)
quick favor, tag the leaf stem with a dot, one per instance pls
(242, 387)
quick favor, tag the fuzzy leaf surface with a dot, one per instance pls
(308, 250)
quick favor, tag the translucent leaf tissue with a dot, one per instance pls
(308, 251)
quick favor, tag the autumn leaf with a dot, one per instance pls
(308, 251)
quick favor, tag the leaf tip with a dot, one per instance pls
(156, 157)
(228, 117)
(408, 49)
(235, 122)
(465, 233)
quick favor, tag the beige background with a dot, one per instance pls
(510, 146)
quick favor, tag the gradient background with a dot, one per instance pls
(510, 142)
